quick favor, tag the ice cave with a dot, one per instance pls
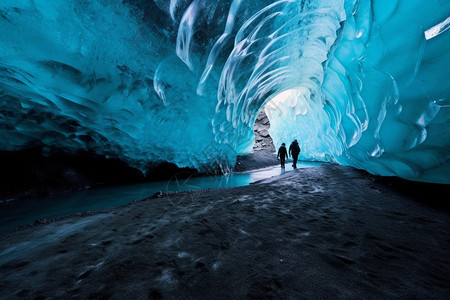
(139, 138)
(362, 83)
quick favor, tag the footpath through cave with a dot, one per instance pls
(25, 212)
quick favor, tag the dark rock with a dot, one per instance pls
(263, 141)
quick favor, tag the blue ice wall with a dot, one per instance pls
(356, 82)
(383, 102)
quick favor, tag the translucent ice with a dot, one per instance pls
(363, 83)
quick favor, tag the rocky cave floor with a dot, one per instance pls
(330, 232)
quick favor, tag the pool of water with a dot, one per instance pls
(17, 213)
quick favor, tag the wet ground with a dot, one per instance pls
(25, 212)
(329, 232)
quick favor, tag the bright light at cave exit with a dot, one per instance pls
(294, 99)
(293, 115)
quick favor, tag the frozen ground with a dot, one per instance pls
(316, 233)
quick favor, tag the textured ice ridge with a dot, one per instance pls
(356, 82)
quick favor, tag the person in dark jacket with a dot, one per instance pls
(294, 151)
(282, 154)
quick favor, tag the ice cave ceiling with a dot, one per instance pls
(362, 83)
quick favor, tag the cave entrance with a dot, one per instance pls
(263, 141)
(284, 109)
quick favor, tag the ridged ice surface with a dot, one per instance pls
(356, 82)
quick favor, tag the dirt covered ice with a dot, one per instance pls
(310, 233)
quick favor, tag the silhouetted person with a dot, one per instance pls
(282, 154)
(294, 151)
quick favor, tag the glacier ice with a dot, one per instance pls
(356, 82)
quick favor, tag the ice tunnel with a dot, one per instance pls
(363, 83)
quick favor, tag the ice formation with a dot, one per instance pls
(362, 83)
